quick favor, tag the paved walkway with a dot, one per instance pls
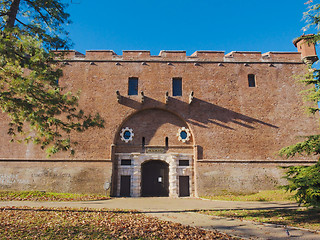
(184, 211)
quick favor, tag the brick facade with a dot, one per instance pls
(234, 130)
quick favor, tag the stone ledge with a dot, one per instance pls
(255, 161)
(180, 56)
(54, 160)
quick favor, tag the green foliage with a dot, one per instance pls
(310, 146)
(262, 196)
(48, 196)
(302, 218)
(43, 19)
(305, 180)
(40, 110)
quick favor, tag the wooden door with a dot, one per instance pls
(184, 186)
(125, 186)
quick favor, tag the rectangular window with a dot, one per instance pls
(183, 162)
(176, 86)
(125, 162)
(251, 80)
(133, 86)
(143, 142)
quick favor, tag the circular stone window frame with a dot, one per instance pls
(187, 131)
(123, 130)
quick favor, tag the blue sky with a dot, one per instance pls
(191, 25)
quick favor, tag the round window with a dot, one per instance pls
(126, 134)
(184, 134)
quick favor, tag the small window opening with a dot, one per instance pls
(143, 142)
(167, 142)
(251, 80)
(183, 134)
(133, 86)
(183, 162)
(127, 134)
(176, 86)
(125, 162)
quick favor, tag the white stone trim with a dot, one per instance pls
(123, 130)
(172, 159)
(183, 129)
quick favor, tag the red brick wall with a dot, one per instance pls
(228, 119)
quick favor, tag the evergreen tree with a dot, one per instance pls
(39, 110)
(305, 180)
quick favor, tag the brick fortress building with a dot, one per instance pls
(175, 125)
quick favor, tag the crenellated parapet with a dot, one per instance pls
(181, 56)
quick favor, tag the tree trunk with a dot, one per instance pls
(12, 14)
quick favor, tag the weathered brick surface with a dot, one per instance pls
(228, 119)
(74, 177)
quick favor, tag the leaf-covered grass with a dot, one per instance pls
(66, 223)
(303, 218)
(263, 196)
(47, 196)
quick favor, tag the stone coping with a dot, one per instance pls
(255, 161)
(181, 56)
(198, 160)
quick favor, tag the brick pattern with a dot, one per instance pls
(228, 120)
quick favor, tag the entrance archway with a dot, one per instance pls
(148, 149)
(155, 179)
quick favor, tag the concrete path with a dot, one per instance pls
(184, 211)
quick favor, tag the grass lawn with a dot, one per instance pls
(303, 218)
(47, 196)
(264, 196)
(66, 223)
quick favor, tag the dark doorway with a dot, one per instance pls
(125, 184)
(184, 186)
(155, 179)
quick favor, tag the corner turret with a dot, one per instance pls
(306, 47)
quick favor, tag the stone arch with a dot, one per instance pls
(154, 124)
(153, 128)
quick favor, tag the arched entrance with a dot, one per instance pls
(155, 179)
(153, 155)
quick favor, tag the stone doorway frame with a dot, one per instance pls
(172, 159)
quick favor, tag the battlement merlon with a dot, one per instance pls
(181, 56)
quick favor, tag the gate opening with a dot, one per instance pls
(155, 179)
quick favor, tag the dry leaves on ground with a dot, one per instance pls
(66, 223)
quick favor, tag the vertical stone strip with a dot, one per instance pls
(136, 175)
(195, 170)
(173, 176)
(114, 175)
